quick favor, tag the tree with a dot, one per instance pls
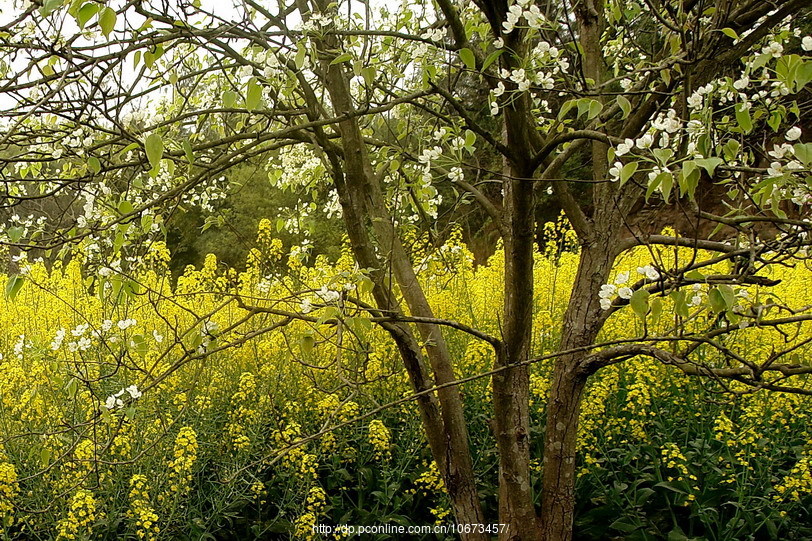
(645, 105)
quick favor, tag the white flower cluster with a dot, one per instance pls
(697, 297)
(316, 22)
(784, 152)
(20, 346)
(609, 292)
(325, 294)
(421, 48)
(527, 10)
(115, 401)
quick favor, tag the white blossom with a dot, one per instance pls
(793, 134)
(328, 295)
(649, 272)
(125, 324)
(774, 48)
(607, 290)
(614, 171)
(57, 341)
(644, 142)
(742, 83)
(624, 147)
(134, 392)
(456, 174)
(625, 292)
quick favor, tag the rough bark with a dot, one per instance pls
(363, 199)
(581, 326)
(511, 387)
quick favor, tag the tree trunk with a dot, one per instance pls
(511, 387)
(581, 326)
(362, 201)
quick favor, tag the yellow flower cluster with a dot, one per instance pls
(259, 492)
(380, 439)
(184, 457)
(798, 483)
(141, 511)
(429, 481)
(8, 491)
(303, 527)
(82, 515)
(158, 255)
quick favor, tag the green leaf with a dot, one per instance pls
(48, 7)
(140, 345)
(590, 107)
(803, 75)
(729, 32)
(709, 164)
(15, 233)
(307, 343)
(676, 534)
(717, 300)
(803, 151)
(743, 118)
(365, 285)
(94, 164)
(45, 456)
(565, 108)
(15, 282)
(666, 183)
(661, 181)
(656, 309)
(72, 387)
(107, 21)
(689, 179)
(229, 99)
(299, 59)
(340, 59)
(154, 147)
(253, 95)
(595, 108)
(125, 207)
(625, 105)
(146, 223)
(639, 303)
(85, 13)
(468, 58)
(369, 73)
(680, 305)
(491, 58)
(731, 149)
(627, 171)
(728, 295)
(187, 149)
(774, 121)
(695, 275)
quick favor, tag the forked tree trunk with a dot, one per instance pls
(581, 326)
(363, 203)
